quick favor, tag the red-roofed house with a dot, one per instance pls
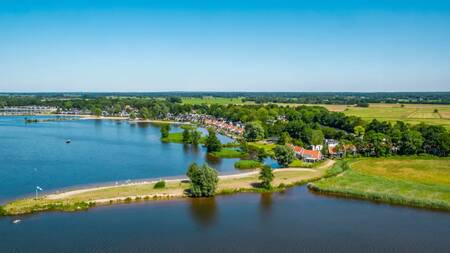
(307, 155)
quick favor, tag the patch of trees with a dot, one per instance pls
(203, 180)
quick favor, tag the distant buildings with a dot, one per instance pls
(27, 110)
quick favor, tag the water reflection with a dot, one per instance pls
(266, 202)
(213, 160)
(191, 149)
(204, 211)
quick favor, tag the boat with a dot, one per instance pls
(16, 221)
(68, 141)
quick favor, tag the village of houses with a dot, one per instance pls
(234, 130)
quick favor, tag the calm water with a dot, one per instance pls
(101, 151)
(294, 221)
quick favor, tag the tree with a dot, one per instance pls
(212, 142)
(132, 116)
(97, 112)
(377, 143)
(266, 176)
(359, 131)
(285, 138)
(165, 129)
(187, 136)
(284, 155)
(203, 180)
(253, 131)
(317, 137)
(411, 142)
(144, 113)
(195, 137)
(324, 150)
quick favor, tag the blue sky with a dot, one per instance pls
(133, 45)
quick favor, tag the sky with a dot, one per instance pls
(301, 46)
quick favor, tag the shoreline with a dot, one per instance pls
(383, 189)
(85, 198)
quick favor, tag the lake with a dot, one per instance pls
(35, 154)
(107, 151)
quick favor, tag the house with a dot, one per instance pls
(306, 154)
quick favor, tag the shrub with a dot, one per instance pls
(2, 211)
(160, 184)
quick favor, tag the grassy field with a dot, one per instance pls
(86, 198)
(410, 113)
(415, 181)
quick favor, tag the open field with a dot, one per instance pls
(415, 181)
(84, 198)
(410, 113)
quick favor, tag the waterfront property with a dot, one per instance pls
(306, 154)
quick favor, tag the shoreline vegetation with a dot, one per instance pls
(85, 198)
(422, 182)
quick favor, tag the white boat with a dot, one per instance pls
(16, 221)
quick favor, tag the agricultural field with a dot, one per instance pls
(409, 113)
(416, 181)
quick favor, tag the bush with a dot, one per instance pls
(247, 164)
(160, 184)
(2, 211)
(203, 180)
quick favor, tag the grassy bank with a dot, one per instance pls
(178, 138)
(247, 164)
(85, 198)
(413, 181)
(229, 153)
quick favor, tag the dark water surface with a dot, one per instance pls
(101, 151)
(294, 221)
(36, 154)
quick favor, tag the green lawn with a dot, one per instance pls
(415, 181)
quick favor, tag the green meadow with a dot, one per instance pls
(415, 181)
